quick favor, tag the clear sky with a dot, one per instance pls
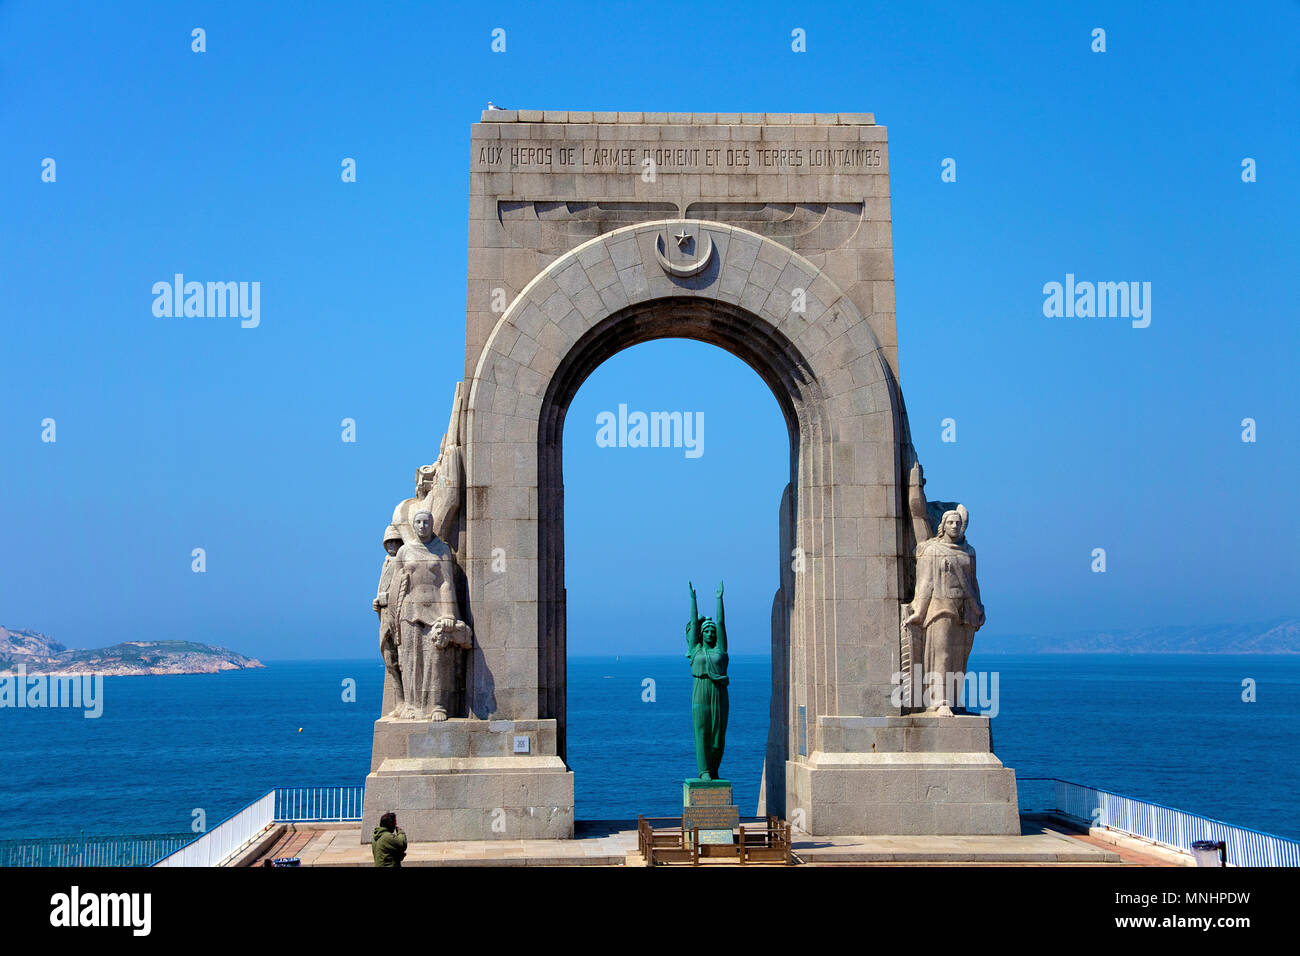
(1072, 433)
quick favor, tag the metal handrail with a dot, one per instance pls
(140, 849)
(1166, 826)
(336, 804)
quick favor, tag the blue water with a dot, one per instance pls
(1169, 729)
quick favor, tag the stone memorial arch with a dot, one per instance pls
(764, 234)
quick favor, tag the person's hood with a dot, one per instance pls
(378, 832)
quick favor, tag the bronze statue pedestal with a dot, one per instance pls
(707, 808)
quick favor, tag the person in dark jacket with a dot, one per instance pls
(388, 843)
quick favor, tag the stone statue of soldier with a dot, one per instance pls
(439, 489)
(389, 636)
(429, 623)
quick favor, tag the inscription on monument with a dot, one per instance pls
(711, 818)
(599, 157)
(711, 798)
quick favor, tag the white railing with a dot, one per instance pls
(228, 837)
(135, 850)
(281, 805)
(1166, 826)
(318, 804)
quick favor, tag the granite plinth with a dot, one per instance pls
(464, 779)
(460, 737)
(916, 775)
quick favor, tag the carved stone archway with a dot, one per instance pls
(838, 648)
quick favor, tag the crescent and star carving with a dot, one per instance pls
(685, 269)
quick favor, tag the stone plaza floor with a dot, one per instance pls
(614, 843)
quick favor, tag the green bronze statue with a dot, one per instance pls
(706, 648)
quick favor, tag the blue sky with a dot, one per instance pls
(1072, 434)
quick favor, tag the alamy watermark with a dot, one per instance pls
(975, 690)
(211, 300)
(1102, 300)
(74, 909)
(23, 690)
(653, 430)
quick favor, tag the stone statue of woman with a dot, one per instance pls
(947, 607)
(706, 648)
(428, 618)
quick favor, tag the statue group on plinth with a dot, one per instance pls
(421, 626)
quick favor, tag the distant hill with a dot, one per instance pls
(1268, 637)
(44, 655)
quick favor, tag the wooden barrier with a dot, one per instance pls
(663, 840)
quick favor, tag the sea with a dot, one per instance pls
(1209, 734)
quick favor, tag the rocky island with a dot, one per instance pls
(41, 654)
